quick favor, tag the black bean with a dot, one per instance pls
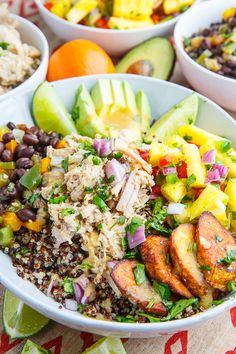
(19, 187)
(206, 32)
(19, 148)
(17, 174)
(8, 137)
(7, 156)
(26, 152)
(54, 135)
(54, 142)
(10, 191)
(11, 125)
(226, 70)
(1, 147)
(30, 139)
(231, 64)
(26, 214)
(220, 59)
(44, 140)
(35, 130)
(40, 149)
(232, 22)
(24, 162)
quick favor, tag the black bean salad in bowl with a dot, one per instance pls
(119, 220)
(215, 47)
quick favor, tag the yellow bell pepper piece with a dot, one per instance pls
(11, 146)
(34, 225)
(229, 13)
(10, 218)
(44, 165)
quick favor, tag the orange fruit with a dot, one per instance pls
(77, 58)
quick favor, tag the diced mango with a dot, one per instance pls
(61, 144)
(123, 23)
(34, 225)
(229, 13)
(207, 201)
(174, 192)
(11, 145)
(10, 218)
(45, 165)
(80, 10)
(194, 165)
(197, 135)
(159, 150)
(133, 9)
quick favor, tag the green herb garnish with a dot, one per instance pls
(224, 145)
(191, 179)
(205, 267)
(139, 273)
(172, 178)
(68, 286)
(57, 200)
(157, 223)
(65, 164)
(179, 306)
(230, 257)
(99, 202)
(85, 266)
(134, 224)
(151, 318)
(118, 155)
(231, 286)
(4, 45)
(67, 211)
(96, 160)
(127, 319)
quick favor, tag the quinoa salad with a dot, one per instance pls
(116, 229)
(215, 47)
(18, 60)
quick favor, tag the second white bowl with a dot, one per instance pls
(220, 89)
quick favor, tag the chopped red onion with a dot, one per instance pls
(169, 170)
(213, 176)
(51, 285)
(223, 170)
(138, 237)
(85, 300)
(83, 281)
(209, 158)
(175, 208)
(116, 169)
(103, 147)
(153, 195)
(111, 264)
(71, 305)
(79, 292)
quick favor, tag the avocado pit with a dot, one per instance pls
(141, 67)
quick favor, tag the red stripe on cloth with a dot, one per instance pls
(56, 342)
(182, 337)
(6, 345)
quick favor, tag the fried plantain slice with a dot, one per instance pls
(184, 258)
(216, 252)
(123, 276)
(154, 252)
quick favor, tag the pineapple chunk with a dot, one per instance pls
(123, 24)
(133, 9)
(80, 10)
(61, 7)
(174, 192)
(159, 150)
(172, 6)
(209, 200)
(184, 217)
(197, 135)
(230, 190)
(229, 13)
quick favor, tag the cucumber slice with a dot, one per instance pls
(49, 111)
(185, 112)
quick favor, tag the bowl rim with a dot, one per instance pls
(44, 54)
(178, 39)
(163, 25)
(66, 316)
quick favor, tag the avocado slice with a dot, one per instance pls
(86, 119)
(102, 96)
(154, 58)
(185, 112)
(144, 110)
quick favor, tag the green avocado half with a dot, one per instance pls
(153, 58)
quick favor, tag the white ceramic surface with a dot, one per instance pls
(220, 89)
(32, 35)
(114, 42)
(163, 95)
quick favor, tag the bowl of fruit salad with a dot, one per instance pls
(117, 26)
(118, 205)
(205, 46)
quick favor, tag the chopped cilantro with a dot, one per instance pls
(68, 286)
(205, 267)
(151, 303)
(57, 200)
(96, 160)
(111, 179)
(127, 319)
(172, 178)
(149, 317)
(187, 41)
(188, 138)
(99, 227)
(88, 189)
(139, 273)
(33, 198)
(132, 254)
(233, 215)
(103, 192)
(99, 202)
(85, 266)
(217, 302)
(231, 286)
(230, 257)
(65, 164)
(4, 45)
(164, 291)
(134, 224)
(118, 155)
(67, 211)
(157, 223)
(191, 179)
(124, 243)
(224, 145)
(157, 206)
(121, 220)
(179, 306)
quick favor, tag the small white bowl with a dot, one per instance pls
(114, 42)
(162, 95)
(220, 89)
(31, 35)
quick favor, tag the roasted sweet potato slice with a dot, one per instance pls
(123, 276)
(184, 258)
(154, 252)
(216, 251)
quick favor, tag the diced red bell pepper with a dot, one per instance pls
(154, 171)
(155, 18)
(102, 23)
(156, 189)
(182, 170)
(165, 160)
(198, 191)
(222, 187)
(144, 154)
(48, 5)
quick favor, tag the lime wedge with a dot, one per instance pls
(185, 112)
(49, 111)
(20, 320)
(32, 348)
(106, 345)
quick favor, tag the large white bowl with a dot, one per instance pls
(32, 35)
(163, 95)
(114, 42)
(220, 89)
